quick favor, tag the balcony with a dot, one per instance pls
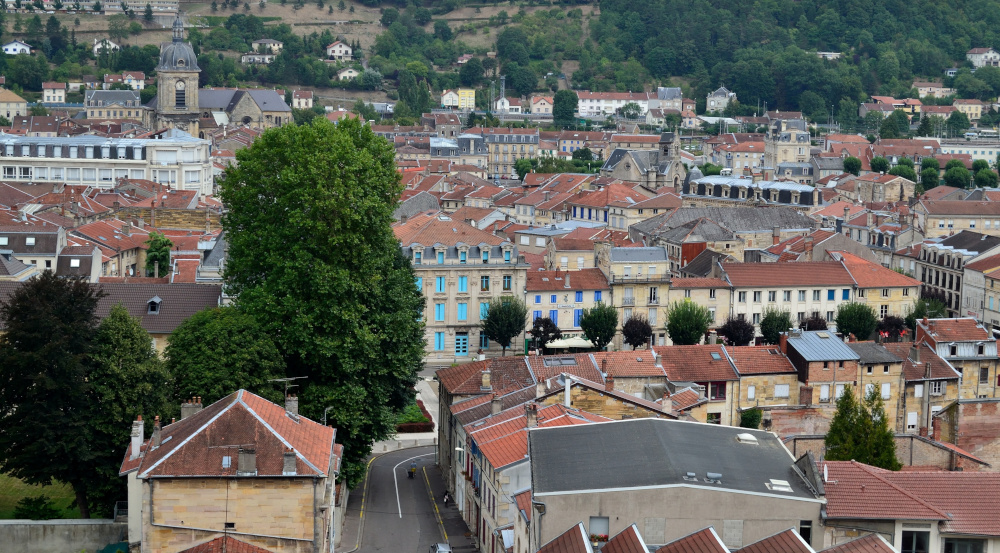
(653, 301)
(639, 278)
(628, 300)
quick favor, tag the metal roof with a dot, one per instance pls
(870, 353)
(93, 140)
(638, 254)
(821, 345)
(653, 452)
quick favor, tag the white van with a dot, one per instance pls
(970, 135)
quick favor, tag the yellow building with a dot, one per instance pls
(466, 98)
(767, 377)
(881, 371)
(713, 293)
(639, 280)
(885, 290)
(969, 348)
(12, 105)
(973, 109)
(269, 488)
(948, 217)
(931, 384)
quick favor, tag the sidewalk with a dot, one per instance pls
(427, 394)
(458, 533)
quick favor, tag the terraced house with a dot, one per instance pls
(459, 270)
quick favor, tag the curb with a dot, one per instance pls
(437, 513)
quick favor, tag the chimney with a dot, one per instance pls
(783, 343)
(154, 440)
(869, 218)
(713, 337)
(566, 280)
(935, 431)
(190, 407)
(247, 461)
(288, 463)
(486, 380)
(531, 414)
(496, 404)
(809, 248)
(480, 355)
(137, 437)
(126, 229)
(292, 405)
(567, 384)
(775, 235)
(609, 383)
(914, 353)
(540, 388)
(847, 214)
(156, 269)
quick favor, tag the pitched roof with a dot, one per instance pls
(578, 364)
(702, 541)
(442, 230)
(872, 353)
(965, 329)
(506, 442)
(803, 273)
(685, 399)
(858, 491)
(820, 345)
(625, 364)
(615, 194)
(701, 363)
(507, 374)
(583, 279)
(574, 540)
(752, 360)
(523, 502)
(872, 275)
(698, 282)
(960, 207)
(787, 541)
(872, 543)
(628, 540)
(917, 371)
(225, 544)
(985, 264)
(197, 445)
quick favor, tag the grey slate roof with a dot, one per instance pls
(702, 264)
(638, 255)
(736, 219)
(971, 241)
(658, 452)
(418, 203)
(111, 97)
(821, 345)
(705, 228)
(668, 93)
(218, 252)
(871, 353)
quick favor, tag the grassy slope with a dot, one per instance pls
(12, 490)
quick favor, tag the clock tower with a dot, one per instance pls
(177, 84)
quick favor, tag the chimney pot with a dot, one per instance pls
(496, 404)
(531, 414)
(486, 384)
(292, 405)
(783, 343)
(137, 437)
(540, 389)
(190, 407)
(154, 440)
(713, 337)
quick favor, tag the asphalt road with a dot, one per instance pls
(398, 514)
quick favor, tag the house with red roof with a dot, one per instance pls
(561, 296)
(969, 347)
(597, 204)
(241, 469)
(932, 511)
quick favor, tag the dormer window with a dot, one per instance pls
(417, 257)
(486, 255)
(153, 306)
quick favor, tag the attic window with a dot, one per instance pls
(779, 485)
(29, 241)
(74, 262)
(823, 334)
(153, 306)
(716, 356)
(227, 461)
(746, 438)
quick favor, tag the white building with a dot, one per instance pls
(104, 44)
(53, 93)
(176, 158)
(508, 105)
(982, 57)
(347, 73)
(596, 104)
(338, 51)
(16, 47)
(302, 99)
(719, 99)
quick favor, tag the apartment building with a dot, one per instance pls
(940, 264)
(969, 347)
(946, 217)
(787, 141)
(597, 104)
(459, 270)
(505, 146)
(639, 279)
(803, 288)
(53, 93)
(563, 295)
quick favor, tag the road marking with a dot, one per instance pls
(395, 480)
(364, 496)
(437, 513)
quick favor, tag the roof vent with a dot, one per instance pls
(690, 477)
(713, 477)
(823, 334)
(746, 438)
(779, 485)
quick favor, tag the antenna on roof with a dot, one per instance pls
(286, 381)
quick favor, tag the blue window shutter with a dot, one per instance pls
(463, 284)
(463, 311)
(420, 283)
(579, 296)
(537, 315)
(440, 258)
(605, 216)
(552, 298)
(484, 308)
(597, 295)
(554, 315)
(577, 314)
(847, 294)
(538, 298)
(831, 295)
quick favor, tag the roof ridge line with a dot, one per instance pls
(866, 468)
(189, 438)
(275, 432)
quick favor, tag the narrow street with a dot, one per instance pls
(398, 514)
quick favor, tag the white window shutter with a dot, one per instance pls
(751, 392)
(918, 390)
(911, 419)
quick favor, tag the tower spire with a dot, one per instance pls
(178, 29)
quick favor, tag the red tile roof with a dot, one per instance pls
(960, 207)
(836, 209)
(987, 264)
(523, 502)
(666, 200)
(226, 544)
(871, 275)
(955, 330)
(686, 399)
(627, 541)
(940, 369)
(703, 541)
(696, 363)
(803, 273)
(613, 195)
(574, 540)
(628, 364)
(507, 374)
(872, 543)
(506, 442)
(858, 491)
(550, 281)
(751, 360)
(442, 230)
(788, 541)
(545, 367)
(197, 445)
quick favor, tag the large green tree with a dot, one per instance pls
(737, 332)
(127, 379)
(856, 318)
(543, 331)
(564, 107)
(687, 322)
(505, 320)
(158, 254)
(312, 257)
(852, 165)
(45, 405)
(219, 350)
(599, 324)
(773, 323)
(859, 431)
(636, 331)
